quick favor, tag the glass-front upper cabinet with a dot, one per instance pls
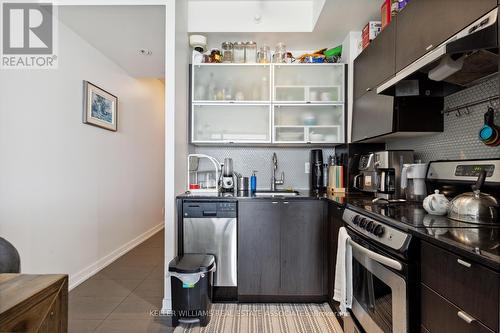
(231, 83)
(308, 123)
(231, 123)
(308, 83)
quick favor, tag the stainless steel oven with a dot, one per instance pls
(379, 275)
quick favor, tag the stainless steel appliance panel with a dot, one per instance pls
(215, 236)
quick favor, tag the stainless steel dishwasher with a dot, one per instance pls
(211, 227)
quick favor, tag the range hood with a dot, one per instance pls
(461, 61)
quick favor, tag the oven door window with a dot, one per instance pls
(379, 296)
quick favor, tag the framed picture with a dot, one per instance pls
(100, 108)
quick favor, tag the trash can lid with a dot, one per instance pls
(192, 263)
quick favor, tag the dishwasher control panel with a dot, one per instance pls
(209, 209)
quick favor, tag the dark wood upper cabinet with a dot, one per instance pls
(303, 248)
(258, 248)
(424, 24)
(376, 63)
(372, 116)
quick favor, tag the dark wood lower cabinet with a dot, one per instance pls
(470, 286)
(441, 316)
(258, 248)
(303, 252)
(282, 250)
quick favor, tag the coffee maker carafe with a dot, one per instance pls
(316, 166)
(413, 181)
(388, 166)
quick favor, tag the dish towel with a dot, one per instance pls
(343, 273)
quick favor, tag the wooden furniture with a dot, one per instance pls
(33, 303)
(457, 295)
(416, 30)
(281, 250)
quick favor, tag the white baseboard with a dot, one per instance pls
(89, 271)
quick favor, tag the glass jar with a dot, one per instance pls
(227, 52)
(239, 52)
(215, 56)
(279, 53)
(264, 55)
(251, 52)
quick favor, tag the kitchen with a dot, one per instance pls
(298, 166)
(395, 201)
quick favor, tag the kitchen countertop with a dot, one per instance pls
(479, 244)
(466, 239)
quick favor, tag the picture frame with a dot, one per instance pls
(100, 107)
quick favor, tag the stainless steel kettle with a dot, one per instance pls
(475, 207)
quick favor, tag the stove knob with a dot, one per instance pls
(370, 226)
(378, 231)
(356, 220)
(363, 222)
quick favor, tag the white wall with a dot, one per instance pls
(73, 195)
(176, 124)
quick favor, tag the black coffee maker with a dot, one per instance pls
(316, 164)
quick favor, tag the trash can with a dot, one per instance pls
(191, 282)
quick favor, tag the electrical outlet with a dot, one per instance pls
(307, 167)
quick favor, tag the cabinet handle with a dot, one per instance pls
(368, 89)
(466, 317)
(285, 202)
(464, 263)
(275, 202)
(429, 47)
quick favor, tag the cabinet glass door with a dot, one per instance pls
(231, 83)
(231, 123)
(308, 123)
(308, 83)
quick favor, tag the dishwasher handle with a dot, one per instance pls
(210, 213)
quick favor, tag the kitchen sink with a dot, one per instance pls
(282, 193)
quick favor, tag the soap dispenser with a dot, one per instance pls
(253, 182)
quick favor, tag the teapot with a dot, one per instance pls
(436, 204)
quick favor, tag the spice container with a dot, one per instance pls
(279, 53)
(264, 55)
(239, 52)
(227, 52)
(251, 52)
(215, 56)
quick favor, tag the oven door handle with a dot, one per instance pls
(377, 257)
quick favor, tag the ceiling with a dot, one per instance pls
(335, 21)
(120, 32)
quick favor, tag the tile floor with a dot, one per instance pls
(120, 297)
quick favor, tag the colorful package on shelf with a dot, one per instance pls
(369, 32)
(402, 4)
(388, 9)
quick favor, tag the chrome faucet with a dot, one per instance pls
(275, 181)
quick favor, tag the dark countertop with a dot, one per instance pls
(478, 244)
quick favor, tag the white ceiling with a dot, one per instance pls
(335, 21)
(120, 32)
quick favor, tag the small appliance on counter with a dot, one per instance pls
(227, 181)
(413, 181)
(389, 166)
(317, 185)
(350, 155)
(366, 180)
(203, 174)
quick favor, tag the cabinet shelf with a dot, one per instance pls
(298, 116)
